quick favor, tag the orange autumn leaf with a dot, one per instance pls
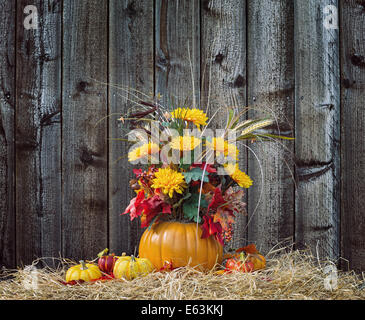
(220, 272)
(208, 187)
(227, 256)
(251, 249)
(224, 217)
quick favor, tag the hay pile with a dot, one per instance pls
(288, 275)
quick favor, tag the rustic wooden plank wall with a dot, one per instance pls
(270, 85)
(177, 43)
(63, 87)
(352, 22)
(7, 120)
(85, 151)
(38, 133)
(223, 74)
(131, 38)
(317, 129)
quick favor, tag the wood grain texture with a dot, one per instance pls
(7, 118)
(177, 56)
(271, 94)
(223, 74)
(38, 133)
(353, 133)
(131, 65)
(60, 187)
(84, 142)
(317, 134)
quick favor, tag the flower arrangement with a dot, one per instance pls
(188, 172)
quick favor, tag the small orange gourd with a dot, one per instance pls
(258, 260)
(129, 267)
(241, 264)
(83, 271)
(251, 255)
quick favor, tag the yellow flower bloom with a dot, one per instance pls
(185, 143)
(169, 181)
(143, 151)
(222, 146)
(242, 179)
(196, 116)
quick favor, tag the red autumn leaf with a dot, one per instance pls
(167, 266)
(135, 209)
(151, 208)
(72, 282)
(137, 172)
(105, 276)
(234, 200)
(146, 220)
(217, 200)
(212, 228)
(208, 168)
(195, 183)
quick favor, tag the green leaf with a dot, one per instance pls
(184, 166)
(187, 196)
(190, 207)
(275, 136)
(263, 137)
(195, 174)
(153, 220)
(230, 116)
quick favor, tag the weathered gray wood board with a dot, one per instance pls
(62, 189)
(84, 142)
(7, 118)
(317, 131)
(223, 74)
(130, 39)
(270, 65)
(353, 133)
(177, 56)
(38, 133)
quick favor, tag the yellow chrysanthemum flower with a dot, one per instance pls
(169, 181)
(242, 179)
(196, 116)
(185, 143)
(221, 146)
(143, 151)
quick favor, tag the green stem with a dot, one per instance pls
(83, 265)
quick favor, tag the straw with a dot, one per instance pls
(289, 274)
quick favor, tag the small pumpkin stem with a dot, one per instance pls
(133, 258)
(83, 265)
(242, 257)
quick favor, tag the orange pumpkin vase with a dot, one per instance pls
(179, 244)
